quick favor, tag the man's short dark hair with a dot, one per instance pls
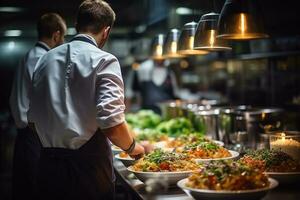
(94, 15)
(48, 24)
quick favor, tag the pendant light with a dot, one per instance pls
(186, 40)
(207, 30)
(157, 47)
(171, 44)
(240, 20)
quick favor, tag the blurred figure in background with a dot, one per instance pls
(154, 82)
(51, 29)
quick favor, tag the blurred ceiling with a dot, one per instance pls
(143, 17)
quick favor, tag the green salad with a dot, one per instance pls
(143, 119)
(176, 127)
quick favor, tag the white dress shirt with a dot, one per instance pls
(77, 88)
(19, 102)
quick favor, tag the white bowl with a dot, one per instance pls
(285, 178)
(127, 161)
(170, 177)
(218, 142)
(234, 154)
(226, 194)
(115, 149)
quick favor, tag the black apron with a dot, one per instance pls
(25, 164)
(82, 174)
(25, 160)
(85, 173)
(153, 94)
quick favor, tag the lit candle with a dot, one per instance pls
(287, 145)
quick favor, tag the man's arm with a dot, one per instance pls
(121, 137)
(110, 107)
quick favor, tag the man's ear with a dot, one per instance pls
(106, 31)
(56, 36)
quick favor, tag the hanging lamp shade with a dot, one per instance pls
(157, 47)
(171, 44)
(205, 36)
(240, 20)
(186, 40)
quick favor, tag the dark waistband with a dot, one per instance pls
(65, 153)
(97, 146)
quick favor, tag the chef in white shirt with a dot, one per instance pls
(51, 29)
(77, 106)
(154, 81)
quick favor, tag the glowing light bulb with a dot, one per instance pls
(243, 24)
(212, 38)
(283, 136)
(173, 47)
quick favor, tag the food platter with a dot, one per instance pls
(285, 178)
(127, 161)
(115, 149)
(234, 154)
(226, 194)
(170, 177)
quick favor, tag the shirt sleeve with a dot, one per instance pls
(110, 94)
(19, 96)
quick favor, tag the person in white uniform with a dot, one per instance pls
(77, 106)
(154, 81)
(51, 29)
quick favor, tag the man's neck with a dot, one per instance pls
(48, 42)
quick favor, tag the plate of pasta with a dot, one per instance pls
(208, 151)
(277, 164)
(167, 165)
(227, 180)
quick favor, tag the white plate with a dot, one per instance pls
(226, 194)
(163, 144)
(220, 143)
(115, 149)
(128, 161)
(234, 154)
(285, 177)
(170, 177)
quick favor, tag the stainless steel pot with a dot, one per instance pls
(182, 108)
(206, 121)
(249, 120)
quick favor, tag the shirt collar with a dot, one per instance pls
(87, 36)
(44, 44)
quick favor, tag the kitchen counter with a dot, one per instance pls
(139, 190)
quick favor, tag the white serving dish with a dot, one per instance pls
(234, 154)
(203, 194)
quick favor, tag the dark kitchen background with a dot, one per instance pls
(264, 72)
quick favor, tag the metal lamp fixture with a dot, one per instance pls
(157, 47)
(207, 30)
(186, 40)
(240, 20)
(171, 44)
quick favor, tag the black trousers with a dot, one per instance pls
(86, 173)
(25, 164)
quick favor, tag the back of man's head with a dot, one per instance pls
(94, 15)
(50, 23)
